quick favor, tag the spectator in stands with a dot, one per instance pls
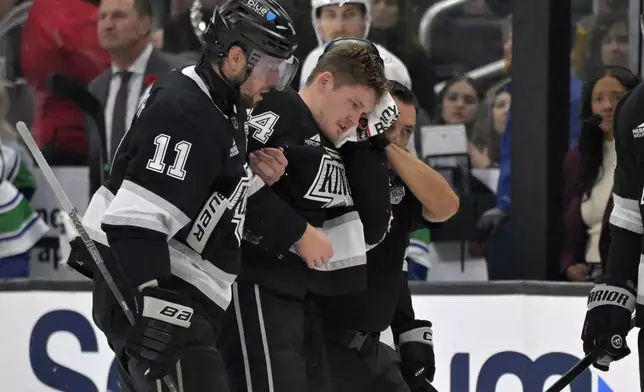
(20, 226)
(493, 227)
(603, 7)
(458, 103)
(588, 172)
(607, 45)
(390, 29)
(485, 146)
(60, 37)
(13, 14)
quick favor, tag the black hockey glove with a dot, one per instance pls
(610, 306)
(416, 347)
(163, 318)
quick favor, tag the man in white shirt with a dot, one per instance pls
(124, 30)
(349, 19)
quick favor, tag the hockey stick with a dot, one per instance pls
(91, 247)
(66, 88)
(579, 368)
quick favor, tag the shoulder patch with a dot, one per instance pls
(396, 193)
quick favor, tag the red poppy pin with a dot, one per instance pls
(150, 79)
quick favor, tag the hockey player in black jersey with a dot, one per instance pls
(170, 218)
(352, 323)
(332, 204)
(620, 291)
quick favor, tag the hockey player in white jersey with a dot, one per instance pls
(347, 19)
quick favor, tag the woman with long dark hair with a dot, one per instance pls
(588, 172)
(458, 102)
(607, 46)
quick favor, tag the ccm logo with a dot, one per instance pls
(173, 312)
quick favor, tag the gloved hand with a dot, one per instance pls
(488, 222)
(417, 363)
(373, 126)
(608, 319)
(163, 318)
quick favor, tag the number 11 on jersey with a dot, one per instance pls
(157, 164)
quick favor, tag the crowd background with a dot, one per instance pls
(460, 66)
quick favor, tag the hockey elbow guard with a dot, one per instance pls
(416, 347)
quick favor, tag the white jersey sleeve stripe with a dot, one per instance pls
(626, 214)
(185, 263)
(136, 206)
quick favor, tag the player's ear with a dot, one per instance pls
(236, 59)
(325, 82)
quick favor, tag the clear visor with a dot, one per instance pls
(277, 73)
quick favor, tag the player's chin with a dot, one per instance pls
(330, 133)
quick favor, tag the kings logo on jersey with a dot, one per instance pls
(330, 185)
(221, 211)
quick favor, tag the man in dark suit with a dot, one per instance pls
(124, 30)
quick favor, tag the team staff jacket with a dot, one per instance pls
(344, 192)
(173, 206)
(627, 246)
(387, 301)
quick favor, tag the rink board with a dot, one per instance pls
(484, 343)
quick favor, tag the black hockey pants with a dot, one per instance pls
(361, 362)
(273, 343)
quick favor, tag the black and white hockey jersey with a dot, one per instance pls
(343, 192)
(387, 300)
(173, 208)
(626, 253)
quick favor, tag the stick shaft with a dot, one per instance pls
(579, 368)
(87, 241)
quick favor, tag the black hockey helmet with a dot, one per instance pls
(352, 40)
(262, 28)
